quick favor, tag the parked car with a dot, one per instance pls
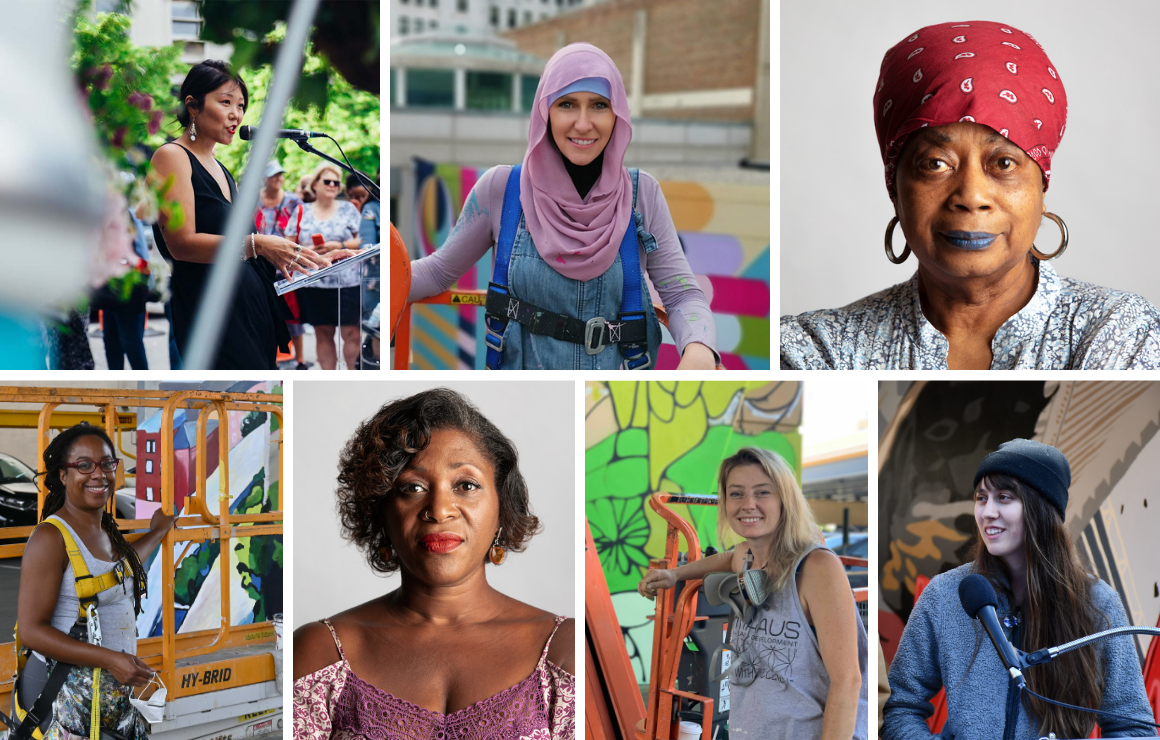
(17, 493)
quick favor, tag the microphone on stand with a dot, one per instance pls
(249, 132)
(979, 601)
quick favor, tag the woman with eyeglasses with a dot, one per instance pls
(330, 226)
(80, 470)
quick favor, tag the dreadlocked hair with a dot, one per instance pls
(55, 457)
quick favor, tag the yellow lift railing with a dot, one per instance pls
(163, 653)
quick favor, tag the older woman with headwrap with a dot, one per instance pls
(575, 234)
(968, 116)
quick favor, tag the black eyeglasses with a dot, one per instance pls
(86, 467)
(335, 183)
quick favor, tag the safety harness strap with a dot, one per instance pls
(509, 221)
(87, 585)
(630, 332)
(595, 334)
(87, 588)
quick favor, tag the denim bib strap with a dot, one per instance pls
(629, 332)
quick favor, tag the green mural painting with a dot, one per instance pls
(644, 437)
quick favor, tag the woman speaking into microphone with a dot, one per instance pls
(213, 102)
(1047, 597)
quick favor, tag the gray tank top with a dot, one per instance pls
(114, 605)
(788, 697)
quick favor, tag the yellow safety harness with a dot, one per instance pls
(86, 629)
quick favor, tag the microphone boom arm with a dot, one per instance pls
(1047, 654)
(367, 182)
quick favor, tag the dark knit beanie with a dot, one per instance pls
(1040, 466)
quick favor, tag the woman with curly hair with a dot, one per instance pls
(80, 468)
(800, 671)
(430, 488)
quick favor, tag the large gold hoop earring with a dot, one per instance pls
(890, 244)
(1062, 242)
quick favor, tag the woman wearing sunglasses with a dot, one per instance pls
(330, 226)
(80, 470)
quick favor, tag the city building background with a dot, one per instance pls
(697, 78)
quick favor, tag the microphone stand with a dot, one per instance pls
(367, 182)
(1040, 657)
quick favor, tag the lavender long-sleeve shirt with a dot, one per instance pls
(478, 227)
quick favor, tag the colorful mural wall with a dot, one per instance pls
(644, 437)
(255, 563)
(724, 230)
(932, 437)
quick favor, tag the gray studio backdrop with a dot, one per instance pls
(330, 575)
(834, 207)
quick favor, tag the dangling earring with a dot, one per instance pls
(193, 130)
(385, 552)
(496, 554)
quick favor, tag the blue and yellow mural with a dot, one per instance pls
(256, 563)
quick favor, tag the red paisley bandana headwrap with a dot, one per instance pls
(978, 71)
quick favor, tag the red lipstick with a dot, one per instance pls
(441, 542)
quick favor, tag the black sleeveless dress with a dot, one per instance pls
(255, 324)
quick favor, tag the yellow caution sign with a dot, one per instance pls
(468, 299)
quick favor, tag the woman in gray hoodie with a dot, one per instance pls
(1046, 596)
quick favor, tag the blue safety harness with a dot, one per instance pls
(630, 332)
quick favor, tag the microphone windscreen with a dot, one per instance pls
(975, 592)
(248, 132)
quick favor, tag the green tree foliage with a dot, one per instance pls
(127, 86)
(345, 33)
(351, 116)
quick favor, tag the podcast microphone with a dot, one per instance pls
(979, 601)
(249, 132)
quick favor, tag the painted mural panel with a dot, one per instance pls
(932, 437)
(724, 229)
(255, 563)
(644, 437)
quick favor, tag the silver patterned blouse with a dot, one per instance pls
(1067, 325)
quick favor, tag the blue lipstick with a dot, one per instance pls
(969, 239)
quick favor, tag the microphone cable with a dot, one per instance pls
(1100, 712)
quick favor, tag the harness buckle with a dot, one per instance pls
(94, 624)
(643, 361)
(491, 334)
(598, 323)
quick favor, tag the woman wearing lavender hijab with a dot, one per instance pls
(575, 235)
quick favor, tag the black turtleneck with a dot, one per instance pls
(584, 176)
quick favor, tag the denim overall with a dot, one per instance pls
(532, 280)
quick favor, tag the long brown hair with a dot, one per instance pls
(55, 457)
(1058, 608)
(796, 530)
